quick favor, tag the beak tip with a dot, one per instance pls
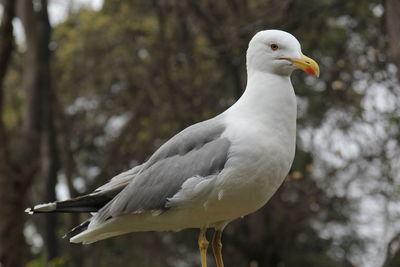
(306, 64)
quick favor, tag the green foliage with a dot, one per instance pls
(39, 262)
(14, 98)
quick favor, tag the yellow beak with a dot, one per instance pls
(306, 64)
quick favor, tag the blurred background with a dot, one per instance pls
(91, 88)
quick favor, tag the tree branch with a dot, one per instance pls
(6, 47)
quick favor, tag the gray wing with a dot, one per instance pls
(120, 181)
(199, 150)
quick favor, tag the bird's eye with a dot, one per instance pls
(274, 47)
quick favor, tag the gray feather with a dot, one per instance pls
(121, 180)
(199, 150)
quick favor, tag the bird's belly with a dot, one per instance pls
(233, 203)
(227, 202)
(245, 191)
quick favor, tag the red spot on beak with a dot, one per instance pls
(310, 71)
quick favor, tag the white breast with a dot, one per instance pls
(262, 129)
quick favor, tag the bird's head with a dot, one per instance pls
(278, 52)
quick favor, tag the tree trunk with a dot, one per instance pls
(12, 242)
(11, 190)
(49, 151)
(392, 16)
(41, 109)
(19, 159)
(392, 22)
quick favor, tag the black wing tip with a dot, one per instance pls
(77, 228)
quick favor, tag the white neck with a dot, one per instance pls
(264, 118)
(269, 98)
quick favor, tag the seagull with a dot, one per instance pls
(214, 171)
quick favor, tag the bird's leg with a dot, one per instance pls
(203, 245)
(217, 248)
